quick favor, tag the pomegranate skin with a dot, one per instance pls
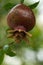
(21, 15)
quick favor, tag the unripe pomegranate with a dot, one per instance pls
(20, 19)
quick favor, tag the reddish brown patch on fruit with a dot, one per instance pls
(21, 15)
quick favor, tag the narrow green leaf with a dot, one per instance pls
(8, 51)
(34, 5)
(8, 6)
(22, 1)
(1, 56)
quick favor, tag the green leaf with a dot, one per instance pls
(34, 5)
(1, 56)
(8, 6)
(22, 1)
(8, 51)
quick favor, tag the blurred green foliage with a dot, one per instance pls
(1, 56)
(35, 42)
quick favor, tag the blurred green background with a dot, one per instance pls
(27, 54)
